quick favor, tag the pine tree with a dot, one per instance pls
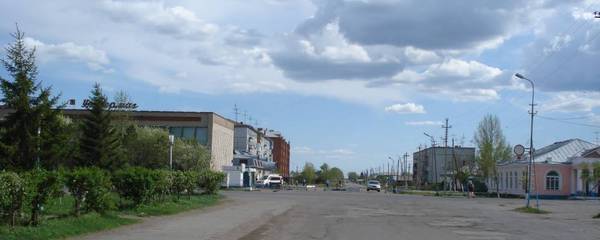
(99, 142)
(35, 112)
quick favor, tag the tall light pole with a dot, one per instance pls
(532, 113)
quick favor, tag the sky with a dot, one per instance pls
(347, 82)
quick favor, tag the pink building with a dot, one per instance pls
(557, 171)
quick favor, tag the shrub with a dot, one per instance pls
(191, 181)
(41, 186)
(90, 188)
(178, 183)
(163, 181)
(12, 192)
(141, 185)
(210, 181)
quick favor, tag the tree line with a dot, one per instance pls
(103, 159)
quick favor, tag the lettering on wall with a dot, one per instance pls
(112, 105)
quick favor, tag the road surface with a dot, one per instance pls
(361, 215)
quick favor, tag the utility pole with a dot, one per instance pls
(397, 173)
(435, 175)
(405, 171)
(446, 127)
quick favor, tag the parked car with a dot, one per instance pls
(373, 185)
(270, 181)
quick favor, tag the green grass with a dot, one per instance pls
(65, 227)
(531, 210)
(59, 223)
(171, 207)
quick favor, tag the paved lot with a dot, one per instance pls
(361, 215)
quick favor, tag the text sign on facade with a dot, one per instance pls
(112, 105)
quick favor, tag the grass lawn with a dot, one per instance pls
(58, 222)
(64, 227)
(531, 210)
(171, 207)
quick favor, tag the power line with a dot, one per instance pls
(568, 122)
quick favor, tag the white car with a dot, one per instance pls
(270, 181)
(373, 185)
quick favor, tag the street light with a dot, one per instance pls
(532, 113)
(171, 143)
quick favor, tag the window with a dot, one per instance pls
(511, 181)
(188, 133)
(202, 135)
(552, 181)
(176, 131)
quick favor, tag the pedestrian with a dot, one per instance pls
(471, 188)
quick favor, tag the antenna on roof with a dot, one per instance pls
(236, 112)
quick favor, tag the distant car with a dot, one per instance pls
(270, 181)
(373, 185)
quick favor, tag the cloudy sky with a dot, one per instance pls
(348, 82)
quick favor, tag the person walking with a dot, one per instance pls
(471, 189)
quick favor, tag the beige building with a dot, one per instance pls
(208, 128)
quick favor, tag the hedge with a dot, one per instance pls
(91, 189)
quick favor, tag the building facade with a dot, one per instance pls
(557, 171)
(208, 128)
(438, 164)
(281, 153)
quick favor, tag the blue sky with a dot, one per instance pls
(347, 82)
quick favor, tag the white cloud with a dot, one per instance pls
(337, 153)
(405, 108)
(572, 102)
(423, 123)
(177, 21)
(94, 58)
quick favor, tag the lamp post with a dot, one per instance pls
(171, 143)
(532, 113)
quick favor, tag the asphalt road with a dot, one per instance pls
(360, 215)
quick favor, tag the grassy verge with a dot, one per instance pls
(65, 227)
(171, 207)
(59, 223)
(531, 210)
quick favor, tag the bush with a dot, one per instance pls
(210, 181)
(91, 189)
(162, 183)
(12, 192)
(41, 186)
(191, 180)
(178, 183)
(142, 185)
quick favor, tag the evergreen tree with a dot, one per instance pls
(99, 145)
(22, 141)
